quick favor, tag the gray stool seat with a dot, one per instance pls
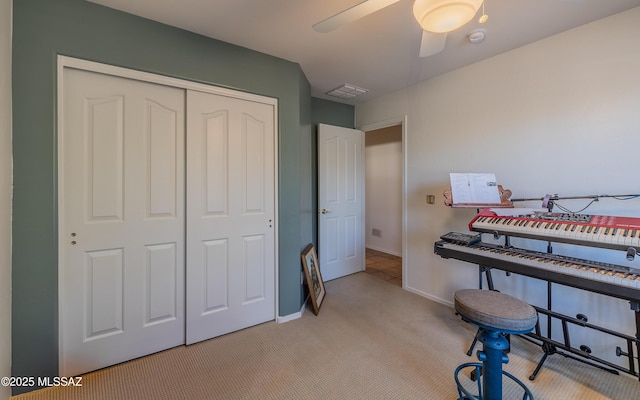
(496, 311)
(497, 314)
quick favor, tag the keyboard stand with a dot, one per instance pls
(583, 352)
(549, 347)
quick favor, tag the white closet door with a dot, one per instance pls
(121, 220)
(230, 214)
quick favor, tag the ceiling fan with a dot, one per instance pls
(436, 17)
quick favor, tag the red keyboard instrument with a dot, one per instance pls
(609, 232)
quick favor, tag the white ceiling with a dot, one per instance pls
(378, 52)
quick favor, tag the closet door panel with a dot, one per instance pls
(121, 220)
(230, 208)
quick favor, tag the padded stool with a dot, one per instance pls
(496, 314)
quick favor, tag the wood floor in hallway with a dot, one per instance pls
(384, 266)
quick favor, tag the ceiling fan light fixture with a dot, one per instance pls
(442, 16)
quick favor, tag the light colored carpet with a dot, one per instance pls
(371, 340)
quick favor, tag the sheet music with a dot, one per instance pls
(474, 188)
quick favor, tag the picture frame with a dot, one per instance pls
(313, 276)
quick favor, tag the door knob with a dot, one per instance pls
(324, 211)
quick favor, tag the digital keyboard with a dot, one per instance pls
(618, 233)
(618, 281)
(604, 278)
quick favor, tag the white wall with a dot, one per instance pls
(383, 189)
(5, 193)
(561, 115)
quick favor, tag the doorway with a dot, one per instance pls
(384, 161)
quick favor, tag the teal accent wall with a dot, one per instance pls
(44, 29)
(307, 157)
(332, 113)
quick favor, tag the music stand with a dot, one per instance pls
(505, 202)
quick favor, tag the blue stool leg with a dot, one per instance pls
(492, 358)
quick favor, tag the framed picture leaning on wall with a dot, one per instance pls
(313, 276)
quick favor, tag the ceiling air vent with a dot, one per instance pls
(347, 91)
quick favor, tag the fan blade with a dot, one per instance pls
(352, 14)
(432, 43)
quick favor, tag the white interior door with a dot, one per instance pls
(230, 214)
(340, 201)
(121, 225)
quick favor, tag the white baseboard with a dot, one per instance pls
(429, 296)
(291, 317)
